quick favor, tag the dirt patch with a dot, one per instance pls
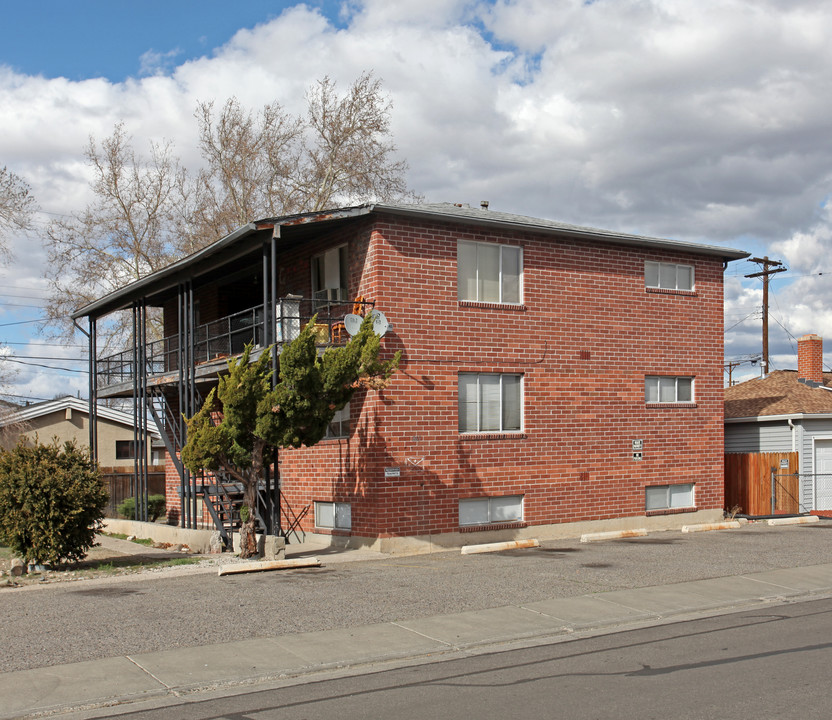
(99, 562)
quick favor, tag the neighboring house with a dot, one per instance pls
(788, 411)
(67, 418)
(550, 374)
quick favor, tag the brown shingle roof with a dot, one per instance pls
(779, 393)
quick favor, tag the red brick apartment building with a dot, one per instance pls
(554, 379)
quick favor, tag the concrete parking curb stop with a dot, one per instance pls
(497, 546)
(802, 520)
(705, 527)
(613, 535)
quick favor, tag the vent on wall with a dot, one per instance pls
(583, 477)
(586, 355)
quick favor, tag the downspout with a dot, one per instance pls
(794, 430)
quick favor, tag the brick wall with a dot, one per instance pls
(584, 340)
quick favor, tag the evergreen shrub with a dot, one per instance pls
(52, 502)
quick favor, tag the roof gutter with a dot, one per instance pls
(780, 418)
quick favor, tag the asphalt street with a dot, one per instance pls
(71, 622)
(769, 662)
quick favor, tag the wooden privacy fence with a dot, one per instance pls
(118, 485)
(748, 483)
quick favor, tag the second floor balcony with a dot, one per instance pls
(213, 342)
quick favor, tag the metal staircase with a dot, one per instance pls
(220, 493)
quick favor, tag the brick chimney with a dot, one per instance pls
(810, 358)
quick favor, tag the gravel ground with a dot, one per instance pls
(70, 622)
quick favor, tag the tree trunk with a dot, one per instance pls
(248, 529)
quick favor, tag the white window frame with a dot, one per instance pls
(668, 276)
(503, 386)
(676, 497)
(327, 290)
(492, 510)
(668, 383)
(502, 278)
(339, 426)
(340, 512)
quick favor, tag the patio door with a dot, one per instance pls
(823, 475)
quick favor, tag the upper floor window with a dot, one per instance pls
(668, 276)
(487, 272)
(339, 426)
(490, 402)
(668, 389)
(330, 275)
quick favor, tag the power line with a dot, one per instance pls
(42, 357)
(23, 322)
(35, 344)
(48, 367)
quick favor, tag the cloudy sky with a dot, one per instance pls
(699, 120)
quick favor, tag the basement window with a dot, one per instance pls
(491, 510)
(333, 515)
(669, 497)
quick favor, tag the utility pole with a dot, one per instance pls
(765, 273)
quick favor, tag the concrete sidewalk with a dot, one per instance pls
(139, 677)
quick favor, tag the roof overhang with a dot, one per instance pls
(241, 242)
(249, 238)
(779, 418)
(490, 218)
(72, 403)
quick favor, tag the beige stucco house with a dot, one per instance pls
(67, 418)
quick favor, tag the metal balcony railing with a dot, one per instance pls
(229, 335)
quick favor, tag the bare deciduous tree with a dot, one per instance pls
(124, 234)
(349, 156)
(249, 158)
(149, 212)
(272, 163)
(16, 207)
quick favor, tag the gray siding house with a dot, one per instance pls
(788, 411)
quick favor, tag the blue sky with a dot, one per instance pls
(634, 115)
(82, 39)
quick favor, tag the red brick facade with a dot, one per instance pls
(584, 338)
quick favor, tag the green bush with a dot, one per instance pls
(127, 508)
(52, 502)
(155, 507)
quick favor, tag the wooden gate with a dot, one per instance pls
(748, 483)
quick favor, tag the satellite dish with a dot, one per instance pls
(352, 323)
(380, 323)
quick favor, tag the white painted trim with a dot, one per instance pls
(814, 468)
(71, 403)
